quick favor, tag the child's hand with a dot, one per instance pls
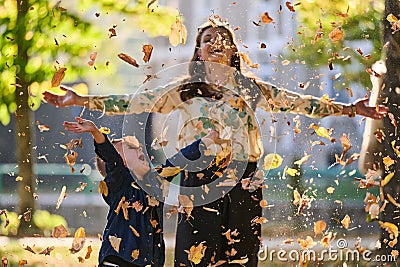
(80, 126)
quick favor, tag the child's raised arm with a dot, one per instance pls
(85, 126)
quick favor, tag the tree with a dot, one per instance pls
(38, 37)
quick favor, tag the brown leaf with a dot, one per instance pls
(147, 49)
(79, 240)
(346, 221)
(336, 34)
(319, 227)
(28, 248)
(58, 77)
(59, 231)
(265, 18)
(47, 250)
(135, 232)
(290, 7)
(178, 33)
(186, 203)
(103, 189)
(21, 263)
(150, 3)
(43, 128)
(115, 242)
(135, 254)
(89, 251)
(128, 59)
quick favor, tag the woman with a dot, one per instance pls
(223, 228)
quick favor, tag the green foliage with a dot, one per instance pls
(12, 227)
(360, 22)
(46, 221)
(58, 37)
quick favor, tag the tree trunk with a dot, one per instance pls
(23, 128)
(390, 97)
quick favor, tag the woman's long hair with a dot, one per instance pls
(195, 85)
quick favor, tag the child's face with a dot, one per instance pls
(133, 158)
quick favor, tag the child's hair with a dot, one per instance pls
(100, 164)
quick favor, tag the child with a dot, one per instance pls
(133, 234)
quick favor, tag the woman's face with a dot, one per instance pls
(216, 46)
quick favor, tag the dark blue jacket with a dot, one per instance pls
(150, 242)
(119, 181)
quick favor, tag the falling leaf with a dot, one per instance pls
(392, 200)
(170, 171)
(240, 261)
(47, 250)
(285, 62)
(104, 130)
(103, 189)
(92, 58)
(326, 239)
(196, 253)
(89, 252)
(19, 178)
(323, 132)
(74, 143)
(248, 62)
(336, 34)
(135, 232)
(306, 243)
(70, 159)
(346, 221)
(387, 179)
(61, 197)
(150, 3)
(391, 18)
(113, 32)
(263, 204)
(292, 172)
(79, 240)
(22, 263)
(265, 18)
(178, 33)
(147, 49)
(128, 59)
(58, 77)
(290, 7)
(43, 128)
(28, 248)
(81, 187)
(302, 160)
(330, 190)
(390, 228)
(319, 227)
(59, 231)
(186, 203)
(115, 242)
(392, 119)
(135, 254)
(387, 161)
(272, 161)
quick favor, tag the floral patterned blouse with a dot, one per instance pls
(233, 115)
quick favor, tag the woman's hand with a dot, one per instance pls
(70, 98)
(360, 107)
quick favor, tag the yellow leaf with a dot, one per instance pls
(323, 132)
(302, 160)
(272, 161)
(115, 242)
(135, 254)
(178, 33)
(58, 77)
(104, 130)
(390, 228)
(170, 171)
(319, 227)
(196, 253)
(306, 243)
(391, 18)
(79, 240)
(103, 189)
(330, 190)
(291, 172)
(387, 179)
(346, 222)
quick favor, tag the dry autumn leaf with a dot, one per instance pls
(43, 128)
(147, 49)
(79, 240)
(103, 189)
(306, 243)
(272, 161)
(196, 253)
(61, 197)
(186, 203)
(170, 171)
(59, 231)
(319, 227)
(21, 263)
(58, 77)
(104, 130)
(92, 58)
(128, 59)
(178, 33)
(115, 242)
(336, 34)
(135, 254)
(89, 252)
(346, 221)
(47, 250)
(265, 18)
